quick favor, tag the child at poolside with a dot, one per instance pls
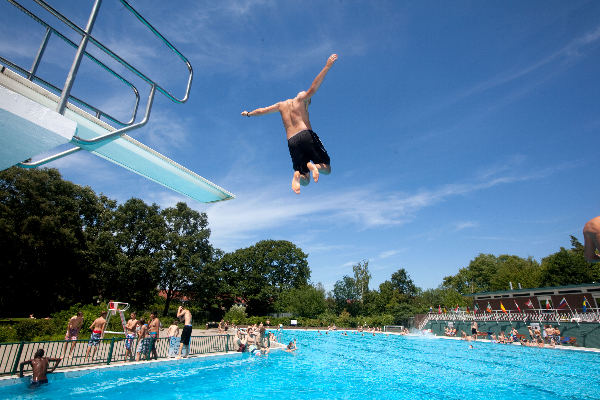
(143, 342)
(304, 144)
(172, 334)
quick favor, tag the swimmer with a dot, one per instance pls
(39, 365)
(307, 152)
(291, 347)
(591, 239)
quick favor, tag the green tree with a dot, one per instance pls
(362, 276)
(568, 267)
(46, 226)
(186, 250)
(258, 274)
(347, 295)
(138, 236)
(403, 283)
(307, 301)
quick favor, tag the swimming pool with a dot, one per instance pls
(342, 367)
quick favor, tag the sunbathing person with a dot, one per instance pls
(39, 365)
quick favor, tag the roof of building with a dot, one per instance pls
(525, 290)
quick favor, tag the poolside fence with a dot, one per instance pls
(107, 351)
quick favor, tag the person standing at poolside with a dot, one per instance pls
(474, 328)
(307, 152)
(154, 332)
(97, 328)
(39, 365)
(172, 334)
(130, 331)
(143, 345)
(591, 240)
(73, 328)
(186, 315)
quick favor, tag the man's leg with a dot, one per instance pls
(325, 169)
(297, 180)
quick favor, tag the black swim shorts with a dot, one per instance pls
(306, 146)
(185, 335)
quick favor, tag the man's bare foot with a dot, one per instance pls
(296, 182)
(314, 170)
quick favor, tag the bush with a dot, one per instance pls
(236, 314)
(8, 334)
(27, 330)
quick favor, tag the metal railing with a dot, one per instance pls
(541, 315)
(65, 91)
(108, 351)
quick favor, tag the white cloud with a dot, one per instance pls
(459, 226)
(389, 253)
(266, 208)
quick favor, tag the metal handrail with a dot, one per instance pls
(93, 143)
(557, 315)
(108, 351)
(31, 74)
(112, 54)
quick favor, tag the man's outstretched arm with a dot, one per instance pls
(319, 79)
(262, 111)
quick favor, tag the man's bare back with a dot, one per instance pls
(295, 118)
(591, 237)
(98, 324)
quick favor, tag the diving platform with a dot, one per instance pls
(36, 117)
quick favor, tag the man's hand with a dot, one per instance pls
(332, 58)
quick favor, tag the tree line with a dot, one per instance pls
(63, 245)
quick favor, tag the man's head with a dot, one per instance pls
(39, 353)
(79, 314)
(103, 314)
(132, 315)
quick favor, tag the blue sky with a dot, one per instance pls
(454, 128)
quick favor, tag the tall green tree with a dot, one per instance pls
(568, 267)
(46, 224)
(362, 276)
(403, 283)
(138, 235)
(186, 250)
(347, 295)
(307, 301)
(259, 273)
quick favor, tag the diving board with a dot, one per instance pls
(31, 139)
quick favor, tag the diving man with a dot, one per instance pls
(307, 152)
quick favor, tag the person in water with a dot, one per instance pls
(591, 238)
(39, 365)
(307, 152)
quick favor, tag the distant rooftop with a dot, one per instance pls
(548, 288)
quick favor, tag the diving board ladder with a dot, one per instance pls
(36, 116)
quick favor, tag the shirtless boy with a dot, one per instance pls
(591, 238)
(186, 315)
(130, 329)
(143, 344)
(154, 328)
(304, 144)
(97, 328)
(73, 328)
(39, 365)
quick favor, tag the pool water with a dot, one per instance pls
(334, 366)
